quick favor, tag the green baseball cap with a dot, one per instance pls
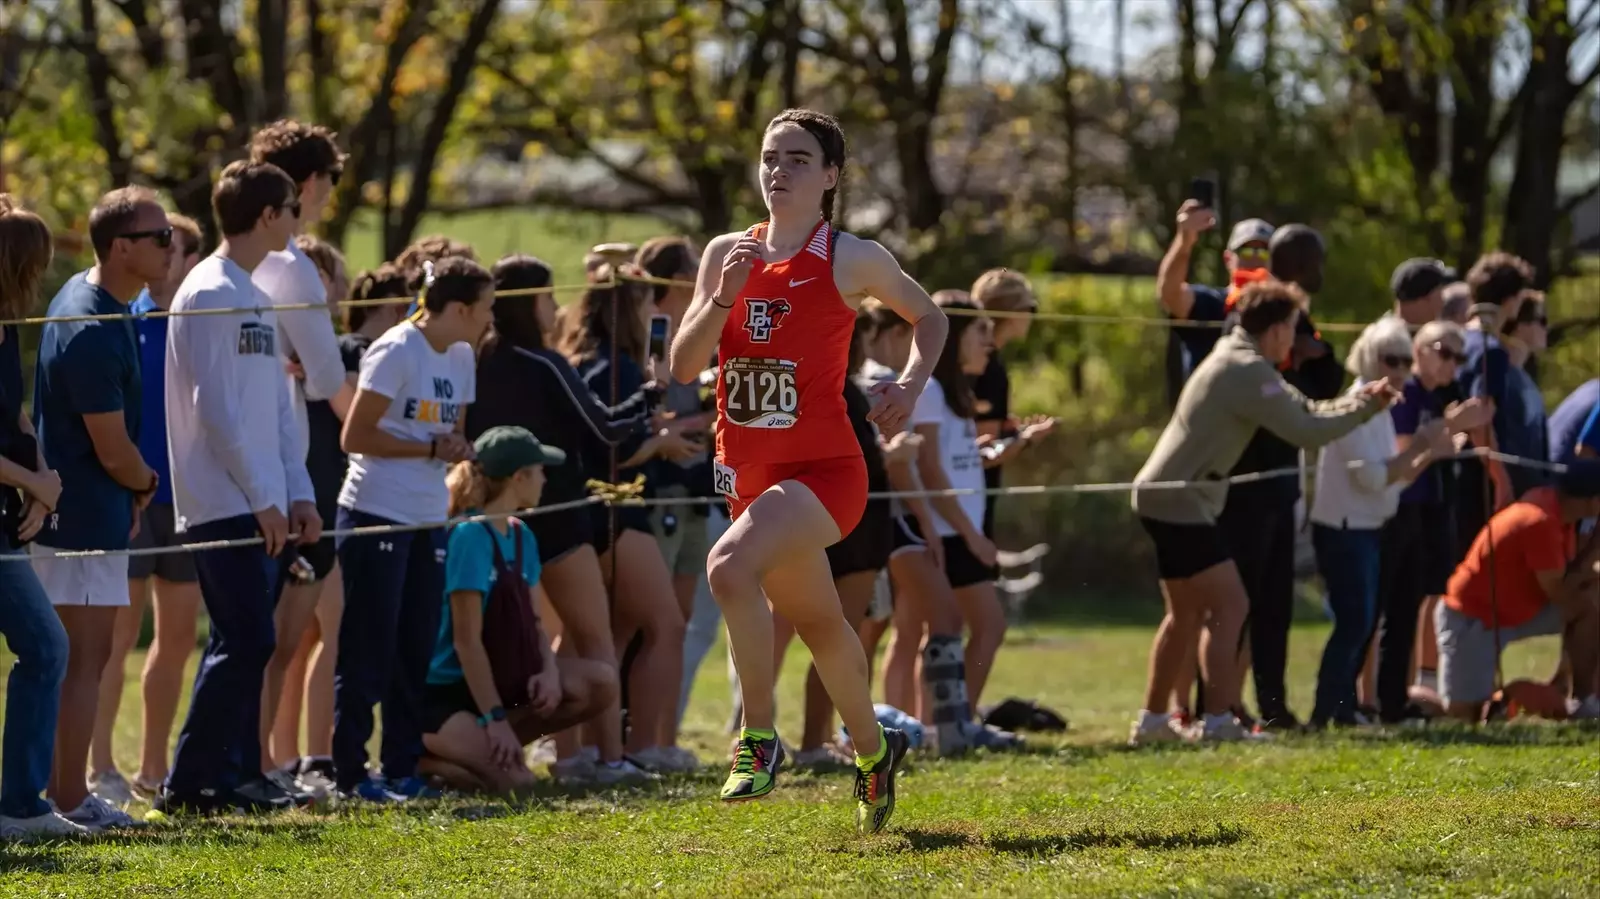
(504, 451)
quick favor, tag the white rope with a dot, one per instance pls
(1024, 490)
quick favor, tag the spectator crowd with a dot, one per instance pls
(546, 626)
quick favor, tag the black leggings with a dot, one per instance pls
(1260, 536)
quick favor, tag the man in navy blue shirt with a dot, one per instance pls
(1246, 252)
(86, 407)
(176, 589)
(1498, 281)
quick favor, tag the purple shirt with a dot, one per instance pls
(1418, 407)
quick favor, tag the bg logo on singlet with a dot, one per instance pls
(762, 317)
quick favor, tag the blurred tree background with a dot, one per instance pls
(1053, 136)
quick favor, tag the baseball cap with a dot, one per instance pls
(1249, 231)
(1416, 278)
(503, 451)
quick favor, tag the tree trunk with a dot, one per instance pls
(98, 70)
(272, 33)
(789, 77)
(321, 66)
(213, 55)
(1470, 25)
(372, 130)
(444, 111)
(152, 46)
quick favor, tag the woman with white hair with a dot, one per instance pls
(1359, 479)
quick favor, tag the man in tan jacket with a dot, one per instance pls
(1235, 391)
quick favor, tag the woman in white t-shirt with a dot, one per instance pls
(404, 427)
(1359, 479)
(951, 458)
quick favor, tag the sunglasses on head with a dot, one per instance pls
(161, 236)
(1397, 361)
(1448, 354)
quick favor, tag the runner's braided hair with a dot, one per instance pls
(825, 128)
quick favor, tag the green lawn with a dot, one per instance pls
(1505, 811)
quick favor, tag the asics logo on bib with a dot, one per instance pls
(762, 317)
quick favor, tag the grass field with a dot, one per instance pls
(1506, 811)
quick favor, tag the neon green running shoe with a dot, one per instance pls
(875, 787)
(755, 768)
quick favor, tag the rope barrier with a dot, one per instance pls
(629, 494)
(616, 280)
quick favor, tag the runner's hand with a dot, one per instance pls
(274, 530)
(891, 405)
(505, 749)
(737, 266)
(305, 521)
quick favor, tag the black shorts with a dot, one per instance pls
(962, 568)
(629, 518)
(156, 529)
(867, 547)
(558, 534)
(441, 701)
(326, 464)
(906, 536)
(1185, 550)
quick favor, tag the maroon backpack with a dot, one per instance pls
(510, 624)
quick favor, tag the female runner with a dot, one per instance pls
(778, 303)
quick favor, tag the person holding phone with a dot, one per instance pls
(607, 341)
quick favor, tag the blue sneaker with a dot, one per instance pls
(372, 790)
(413, 787)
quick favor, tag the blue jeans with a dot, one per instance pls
(393, 600)
(1349, 560)
(220, 744)
(33, 692)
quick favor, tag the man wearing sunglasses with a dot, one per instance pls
(87, 410)
(1246, 253)
(310, 156)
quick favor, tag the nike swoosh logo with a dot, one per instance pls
(794, 283)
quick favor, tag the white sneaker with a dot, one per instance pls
(623, 772)
(96, 815)
(652, 759)
(48, 826)
(112, 787)
(1162, 729)
(575, 770)
(142, 789)
(542, 752)
(592, 753)
(1229, 729)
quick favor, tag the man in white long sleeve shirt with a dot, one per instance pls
(309, 156)
(237, 474)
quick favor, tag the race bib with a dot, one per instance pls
(761, 392)
(723, 479)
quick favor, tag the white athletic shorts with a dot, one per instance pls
(81, 581)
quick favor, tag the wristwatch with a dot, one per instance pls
(495, 714)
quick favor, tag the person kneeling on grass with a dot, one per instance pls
(478, 709)
(1543, 580)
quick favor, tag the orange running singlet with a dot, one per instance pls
(785, 352)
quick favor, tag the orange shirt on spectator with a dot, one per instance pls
(1529, 537)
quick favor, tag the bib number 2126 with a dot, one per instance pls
(761, 392)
